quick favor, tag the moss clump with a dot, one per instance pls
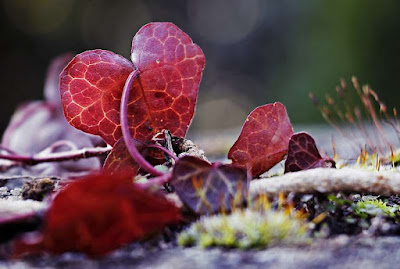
(375, 207)
(245, 229)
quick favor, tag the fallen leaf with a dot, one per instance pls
(263, 141)
(303, 154)
(98, 214)
(209, 188)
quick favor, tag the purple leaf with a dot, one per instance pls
(51, 91)
(38, 124)
(303, 154)
(209, 188)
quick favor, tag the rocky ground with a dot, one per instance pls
(339, 252)
(361, 251)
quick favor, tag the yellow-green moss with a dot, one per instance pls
(245, 229)
(374, 207)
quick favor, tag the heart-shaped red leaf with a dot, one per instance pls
(263, 141)
(303, 154)
(171, 67)
(163, 97)
(209, 188)
(98, 214)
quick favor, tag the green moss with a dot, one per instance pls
(245, 229)
(374, 207)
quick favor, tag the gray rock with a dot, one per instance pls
(340, 252)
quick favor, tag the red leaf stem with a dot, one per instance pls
(139, 159)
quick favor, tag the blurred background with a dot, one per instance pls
(257, 51)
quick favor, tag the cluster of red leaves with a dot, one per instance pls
(162, 97)
(99, 213)
(95, 217)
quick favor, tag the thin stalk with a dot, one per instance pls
(168, 145)
(57, 156)
(377, 122)
(126, 134)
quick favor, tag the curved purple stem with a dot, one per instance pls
(126, 134)
(58, 144)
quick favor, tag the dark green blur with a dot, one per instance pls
(257, 51)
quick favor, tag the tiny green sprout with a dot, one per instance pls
(338, 201)
(246, 229)
(374, 207)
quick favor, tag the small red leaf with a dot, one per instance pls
(163, 97)
(263, 141)
(98, 214)
(209, 188)
(303, 154)
(120, 160)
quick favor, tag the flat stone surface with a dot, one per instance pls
(340, 252)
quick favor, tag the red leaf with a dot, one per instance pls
(120, 160)
(91, 87)
(171, 68)
(263, 141)
(163, 97)
(303, 154)
(98, 214)
(208, 188)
